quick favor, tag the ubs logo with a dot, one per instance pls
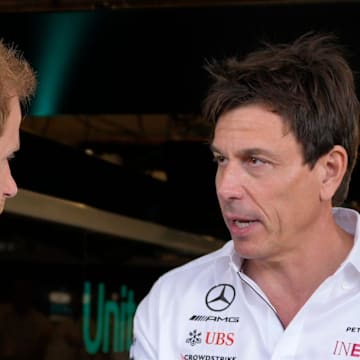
(194, 338)
(220, 297)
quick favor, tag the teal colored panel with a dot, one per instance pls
(60, 40)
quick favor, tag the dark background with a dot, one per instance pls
(151, 60)
(147, 60)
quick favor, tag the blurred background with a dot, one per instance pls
(115, 175)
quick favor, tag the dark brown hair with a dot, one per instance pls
(308, 82)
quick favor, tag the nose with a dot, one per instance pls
(230, 182)
(10, 187)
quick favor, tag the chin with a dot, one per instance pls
(247, 248)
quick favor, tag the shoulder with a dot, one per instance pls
(173, 297)
(201, 262)
(197, 272)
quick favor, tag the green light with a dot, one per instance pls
(62, 35)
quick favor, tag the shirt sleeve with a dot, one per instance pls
(145, 329)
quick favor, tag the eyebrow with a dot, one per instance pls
(213, 148)
(249, 151)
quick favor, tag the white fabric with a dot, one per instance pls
(178, 320)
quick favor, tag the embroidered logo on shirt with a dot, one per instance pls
(206, 357)
(220, 338)
(345, 348)
(220, 297)
(228, 319)
(195, 338)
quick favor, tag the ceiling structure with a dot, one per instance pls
(61, 5)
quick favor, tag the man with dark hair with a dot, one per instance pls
(287, 286)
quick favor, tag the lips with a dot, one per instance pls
(243, 224)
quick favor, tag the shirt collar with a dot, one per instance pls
(348, 219)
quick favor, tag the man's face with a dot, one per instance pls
(9, 144)
(268, 197)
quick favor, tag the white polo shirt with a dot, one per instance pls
(208, 310)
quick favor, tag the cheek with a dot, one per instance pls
(284, 192)
(300, 182)
(3, 169)
(4, 173)
(299, 198)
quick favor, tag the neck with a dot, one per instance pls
(290, 280)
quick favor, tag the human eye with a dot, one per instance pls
(219, 159)
(256, 161)
(10, 157)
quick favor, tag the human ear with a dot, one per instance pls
(333, 168)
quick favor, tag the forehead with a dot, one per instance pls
(11, 126)
(253, 126)
(252, 118)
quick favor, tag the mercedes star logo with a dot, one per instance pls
(220, 297)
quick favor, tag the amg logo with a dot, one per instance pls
(230, 319)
